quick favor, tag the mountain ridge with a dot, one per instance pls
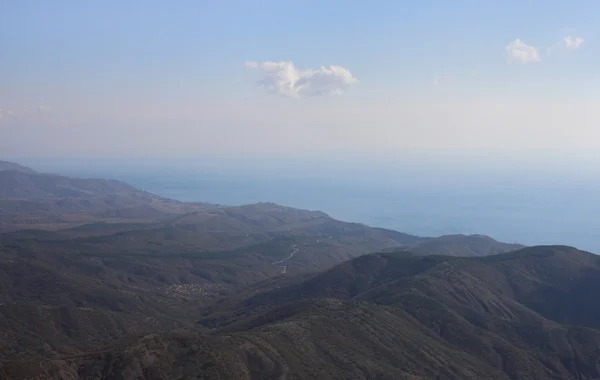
(13, 166)
(418, 317)
(280, 292)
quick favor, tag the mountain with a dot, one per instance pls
(31, 185)
(11, 166)
(100, 280)
(461, 245)
(81, 287)
(522, 315)
(46, 201)
(527, 314)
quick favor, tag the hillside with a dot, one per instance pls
(521, 315)
(529, 314)
(538, 277)
(102, 280)
(461, 245)
(46, 201)
(31, 185)
(11, 166)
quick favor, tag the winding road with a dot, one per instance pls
(284, 267)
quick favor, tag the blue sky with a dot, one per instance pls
(156, 78)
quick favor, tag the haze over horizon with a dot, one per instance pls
(508, 81)
(383, 103)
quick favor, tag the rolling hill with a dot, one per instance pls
(460, 245)
(100, 280)
(29, 199)
(382, 316)
(75, 289)
(12, 166)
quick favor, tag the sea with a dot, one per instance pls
(509, 210)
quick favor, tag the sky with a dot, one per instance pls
(388, 79)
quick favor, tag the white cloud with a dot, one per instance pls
(283, 78)
(568, 43)
(572, 43)
(518, 51)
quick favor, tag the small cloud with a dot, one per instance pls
(283, 78)
(436, 81)
(518, 51)
(572, 43)
(475, 73)
(568, 43)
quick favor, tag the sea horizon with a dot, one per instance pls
(508, 210)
